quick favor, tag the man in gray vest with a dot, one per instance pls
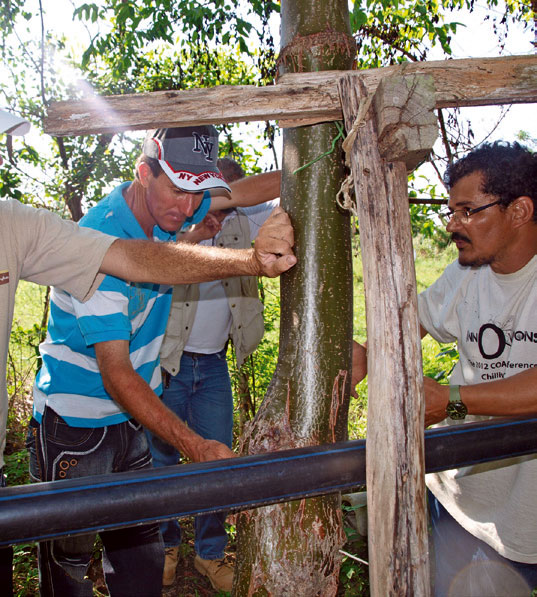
(197, 385)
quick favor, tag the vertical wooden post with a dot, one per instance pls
(395, 455)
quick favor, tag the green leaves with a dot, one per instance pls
(9, 183)
(389, 31)
(87, 12)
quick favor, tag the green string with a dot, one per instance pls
(340, 135)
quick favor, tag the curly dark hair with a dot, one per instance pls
(509, 171)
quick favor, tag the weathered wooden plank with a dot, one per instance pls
(395, 462)
(215, 105)
(297, 98)
(407, 126)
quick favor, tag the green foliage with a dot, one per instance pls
(25, 574)
(260, 366)
(390, 32)
(247, 155)
(424, 215)
(10, 182)
(425, 222)
(133, 46)
(25, 577)
(22, 363)
(16, 468)
(180, 38)
(354, 574)
(525, 138)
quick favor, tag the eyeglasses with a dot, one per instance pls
(463, 215)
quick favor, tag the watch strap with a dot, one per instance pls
(454, 393)
(456, 409)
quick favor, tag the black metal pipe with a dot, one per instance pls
(74, 506)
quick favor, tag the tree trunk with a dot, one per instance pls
(293, 548)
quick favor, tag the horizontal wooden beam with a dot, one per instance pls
(303, 98)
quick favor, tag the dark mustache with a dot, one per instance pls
(458, 236)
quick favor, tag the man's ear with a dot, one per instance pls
(144, 172)
(522, 209)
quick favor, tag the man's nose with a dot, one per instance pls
(453, 224)
(187, 204)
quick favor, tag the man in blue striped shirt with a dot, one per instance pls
(100, 379)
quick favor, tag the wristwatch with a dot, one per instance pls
(455, 409)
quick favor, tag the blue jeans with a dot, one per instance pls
(200, 394)
(465, 565)
(133, 558)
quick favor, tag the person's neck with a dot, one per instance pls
(519, 255)
(134, 196)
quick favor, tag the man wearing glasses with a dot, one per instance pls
(484, 517)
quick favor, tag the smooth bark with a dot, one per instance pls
(293, 548)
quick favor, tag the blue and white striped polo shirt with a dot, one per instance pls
(69, 381)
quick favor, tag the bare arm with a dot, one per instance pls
(251, 190)
(487, 399)
(359, 361)
(183, 263)
(359, 365)
(128, 389)
(208, 228)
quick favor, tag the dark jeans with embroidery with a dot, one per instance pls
(6, 559)
(133, 558)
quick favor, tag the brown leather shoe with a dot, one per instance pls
(170, 565)
(219, 572)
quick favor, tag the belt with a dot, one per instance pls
(194, 355)
(197, 355)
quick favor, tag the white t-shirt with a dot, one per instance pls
(212, 323)
(493, 319)
(38, 246)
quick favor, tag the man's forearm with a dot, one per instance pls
(136, 397)
(176, 263)
(129, 390)
(515, 395)
(509, 397)
(183, 263)
(251, 190)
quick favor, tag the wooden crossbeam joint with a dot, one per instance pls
(407, 126)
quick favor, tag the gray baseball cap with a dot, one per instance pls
(188, 157)
(13, 125)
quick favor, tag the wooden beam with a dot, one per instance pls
(407, 126)
(395, 461)
(297, 99)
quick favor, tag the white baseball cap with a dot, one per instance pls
(13, 125)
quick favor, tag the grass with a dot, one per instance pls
(437, 359)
